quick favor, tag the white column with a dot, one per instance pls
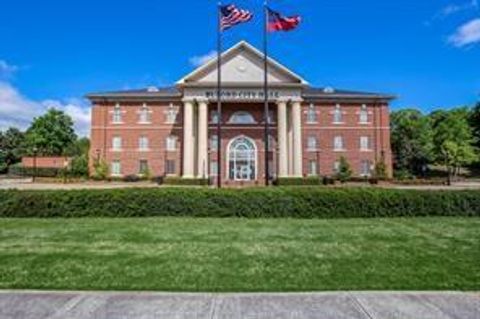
(188, 146)
(290, 140)
(282, 139)
(297, 139)
(202, 168)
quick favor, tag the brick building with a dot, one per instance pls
(172, 130)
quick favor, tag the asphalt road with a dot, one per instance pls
(144, 305)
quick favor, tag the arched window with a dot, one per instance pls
(242, 164)
(311, 114)
(144, 114)
(242, 117)
(337, 114)
(117, 114)
(363, 114)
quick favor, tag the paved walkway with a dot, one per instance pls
(145, 305)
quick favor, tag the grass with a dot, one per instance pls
(183, 254)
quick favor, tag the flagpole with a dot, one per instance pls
(219, 99)
(265, 92)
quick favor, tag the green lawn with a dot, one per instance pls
(184, 254)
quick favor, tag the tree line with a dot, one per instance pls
(446, 138)
(51, 134)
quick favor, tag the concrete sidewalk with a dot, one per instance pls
(325, 305)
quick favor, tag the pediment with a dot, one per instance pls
(242, 64)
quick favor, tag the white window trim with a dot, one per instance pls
(175, 139)
(339, 149)
(316, 168)
(312, 149)
(362, 149)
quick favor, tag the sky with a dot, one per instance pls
(52, 53)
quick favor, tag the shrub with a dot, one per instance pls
(100, 170)
(79, 166)
(131, 178)
(344, 171)
(298, 181)
(303, 202)
(173, 180)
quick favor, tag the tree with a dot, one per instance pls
(344, 171)
(11, 150)
(80, 147)
(454, 140)
(412, 140)
(51, 134)
(474, 121)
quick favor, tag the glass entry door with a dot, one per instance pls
(242, 159)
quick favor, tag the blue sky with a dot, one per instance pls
(54, 52)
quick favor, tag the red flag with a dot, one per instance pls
(277, 22)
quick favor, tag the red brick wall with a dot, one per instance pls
(130, 130)
(54, 161)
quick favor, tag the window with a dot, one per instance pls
(117, 143)
(271, 117)
(213, 169)
(143, 167)
(213, 142)
(336, 167)
(365, 168)
(170, 167)
(116, 167)
(312, 143)
(363, 115)
(242, 159)
(143, 143)
(312, 167)
(214, 117)
(337, 115)
(144, 115)
(364, 143)
(311, 114)
(171, 114)
(117, 114)
(242, 118)
(171, 143)
(338, 143)
(271, 143)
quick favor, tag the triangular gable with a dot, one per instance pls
(242, 63)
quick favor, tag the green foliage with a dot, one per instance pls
(303, 202)
(51, 134)
(454, 140)
(146, 174)
(344, 171)
(100, 170)
(80, 147)
(411, 140)
(380, 171)
(79, 166)
(11, 150)
(173, 180)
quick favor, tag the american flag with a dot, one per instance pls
(231, 15)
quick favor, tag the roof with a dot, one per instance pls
(172, 92)
(329, 92)
(151, 92)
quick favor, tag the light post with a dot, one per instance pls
(35, 150)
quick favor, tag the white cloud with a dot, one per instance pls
(468, 33)
(455, 8)
(7, 69)
(18, 110)
(198, 60)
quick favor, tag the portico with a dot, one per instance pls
(242, 74)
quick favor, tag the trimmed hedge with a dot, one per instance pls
(305, 202)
